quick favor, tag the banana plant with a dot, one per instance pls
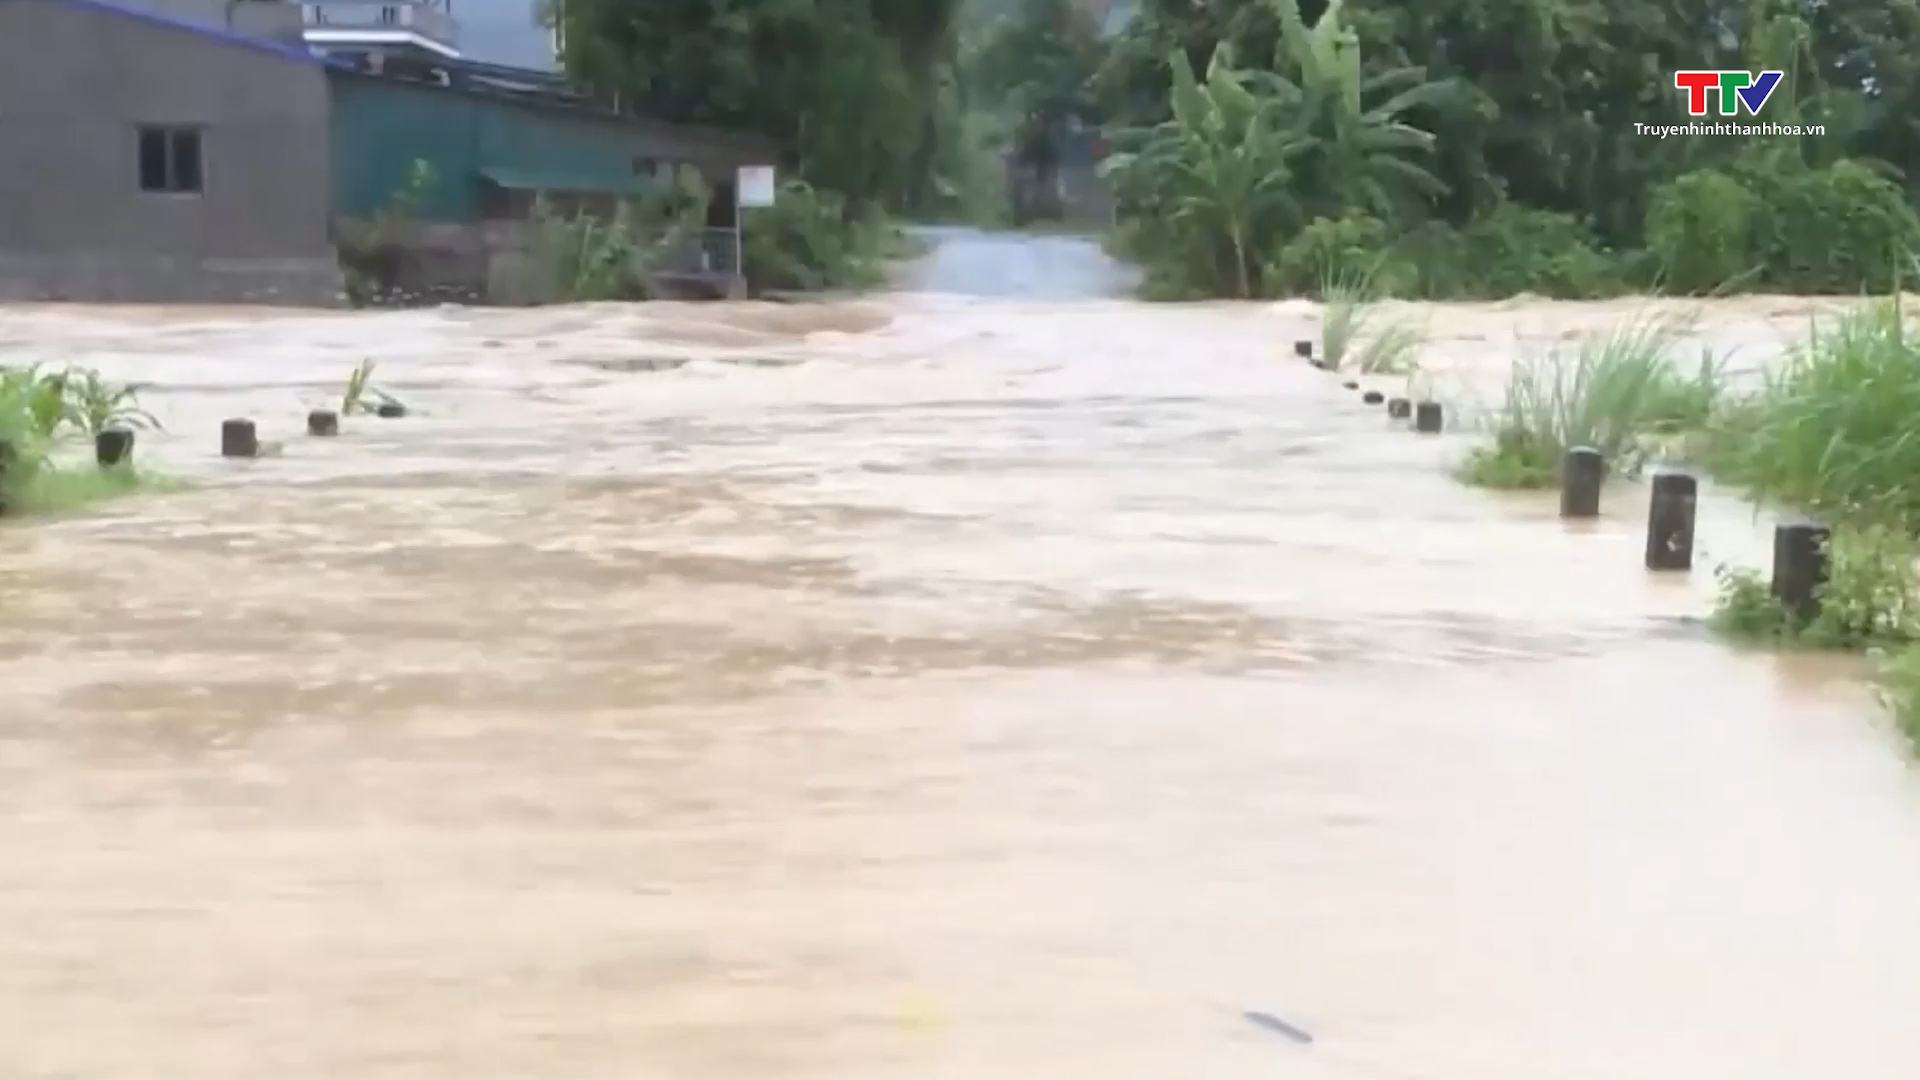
(1221, 168)
(94, 404)
(1362, 154)
(1249, 156)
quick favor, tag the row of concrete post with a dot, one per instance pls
(240, 438)
(1428, 417)
(1800, 560)
(1670, 510)
(1800, 557)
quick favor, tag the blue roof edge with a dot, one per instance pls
(218, 35)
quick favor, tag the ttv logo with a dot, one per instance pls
(1751, 88)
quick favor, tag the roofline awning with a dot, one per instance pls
(568, 183)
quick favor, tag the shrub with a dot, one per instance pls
(1608, 393)
(1829, 230)
(581, 256)
(1897, 685)
(1870, 599)
(809, 239)
(1175, 263)
(1515, 250)
(1697, 230)
(1509, 250)
(1344, 249)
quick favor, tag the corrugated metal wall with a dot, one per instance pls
(381, 127)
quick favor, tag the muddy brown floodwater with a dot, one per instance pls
(932, 686)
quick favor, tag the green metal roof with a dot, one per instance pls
(583, 181)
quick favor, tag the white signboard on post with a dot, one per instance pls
(754, 185)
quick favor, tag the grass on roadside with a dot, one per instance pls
(42, 410)
(1871, 598)
(1870, 604)
(62, 489)
(1612, 392)
(1897, 686)
(1355, 327)
(1832, 431)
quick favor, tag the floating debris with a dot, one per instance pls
(1275, 1024)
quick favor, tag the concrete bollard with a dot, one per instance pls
(323, 423)
(1373, 397)
(1670, 514)
(391, 410)
(1800, 568)
(1582, 471)
(1303, 349)
(1399, 408)
(239, 439)
(1428, 418)
(112, 447)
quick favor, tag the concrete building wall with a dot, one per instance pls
(78, 80)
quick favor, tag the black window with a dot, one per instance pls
(170, 161)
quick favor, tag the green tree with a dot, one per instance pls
(851, 85)
(1361, 152)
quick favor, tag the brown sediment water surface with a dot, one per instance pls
(992, 679)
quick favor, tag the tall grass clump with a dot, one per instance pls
(582, 256)
(1835, 429)
(1354, 326)
(1609, 392)
(43, 411)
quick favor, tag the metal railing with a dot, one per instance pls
(429, 20)
(709, 252)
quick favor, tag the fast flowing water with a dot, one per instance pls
(949, 686)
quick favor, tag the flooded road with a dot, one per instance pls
(935, 686)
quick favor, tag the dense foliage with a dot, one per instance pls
(855, 87)
(863, 93)
(1448, 149)
(1462, 148)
